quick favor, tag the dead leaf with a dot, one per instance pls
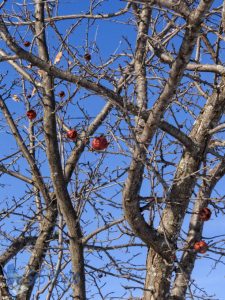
(34, 91)
(16, 98)
(41, 73)
(58, 58)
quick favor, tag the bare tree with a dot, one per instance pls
(113, 117)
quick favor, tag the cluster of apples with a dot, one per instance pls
(204, 215)
(101, 143)
(31, 114)
(98, 143)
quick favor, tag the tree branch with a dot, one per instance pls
(17, 245)
(178, 6)
(133, 183)
(187, 261)
(17, 175)
(4, 290)
(35, 171)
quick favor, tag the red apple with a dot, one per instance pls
(205, 214)
(99, 143)
(26, 44)
(61, 94)
(72, 134)
(31, 114)
(87, 56)
(201, 247)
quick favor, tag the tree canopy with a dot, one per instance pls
(112, 153)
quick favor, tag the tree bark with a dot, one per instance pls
(187, 262)
(184, 182)
(57, 176)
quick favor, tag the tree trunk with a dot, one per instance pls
(158, 275)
